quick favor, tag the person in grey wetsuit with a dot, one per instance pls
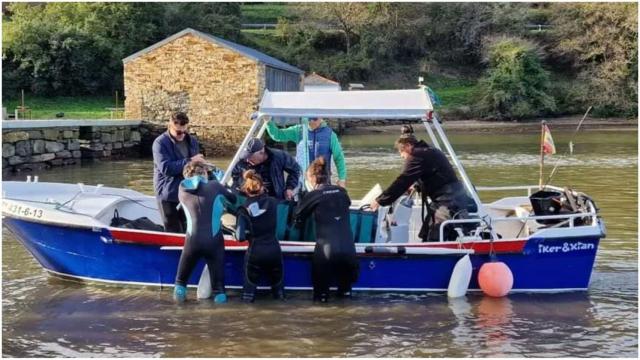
(257, 224)
(203, 201)
(334, 257)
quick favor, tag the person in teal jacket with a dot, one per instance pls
(322, 141)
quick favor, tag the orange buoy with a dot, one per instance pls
(495, 279)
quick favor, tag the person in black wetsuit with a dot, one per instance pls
(436, 179)
(257, 224)
(334, 257)
(203, 201)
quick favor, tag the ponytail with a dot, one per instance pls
(253, 185)
(318, 169)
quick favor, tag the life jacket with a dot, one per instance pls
(319, 144)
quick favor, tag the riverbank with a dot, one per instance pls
(483, 126)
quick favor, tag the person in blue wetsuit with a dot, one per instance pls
(203, 201)
(257, 224)
(334, 257)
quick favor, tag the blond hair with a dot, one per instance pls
(253, 185)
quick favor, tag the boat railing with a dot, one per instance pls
(529, 188)
(568, 218)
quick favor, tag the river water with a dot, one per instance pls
(44, 316)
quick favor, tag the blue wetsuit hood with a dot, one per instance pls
(191, 184)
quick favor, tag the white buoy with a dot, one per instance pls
(460, 278)
(204, 285)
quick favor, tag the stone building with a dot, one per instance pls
(218, 83)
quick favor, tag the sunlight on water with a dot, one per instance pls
(46, 317)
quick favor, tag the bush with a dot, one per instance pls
(515, 85)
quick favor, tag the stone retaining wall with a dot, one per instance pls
(40, 146)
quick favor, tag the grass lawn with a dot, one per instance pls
(454, 96)
(265, 13)
(73, 107)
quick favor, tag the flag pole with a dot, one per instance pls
(541, 152)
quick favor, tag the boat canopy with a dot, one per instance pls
(365, 104)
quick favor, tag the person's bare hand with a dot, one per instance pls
(374, 205)
(342, 183)
(288, 194)
(198, 159)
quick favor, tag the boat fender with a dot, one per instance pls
(495, 279)
(460, 278)
(204, 285)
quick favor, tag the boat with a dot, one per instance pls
(547, 237)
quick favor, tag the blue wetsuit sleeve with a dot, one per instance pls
(292, 168)
(164, 163)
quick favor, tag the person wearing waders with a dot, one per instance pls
(203, 201)
(257, 224)
(436, 180)
(321, 141)
(334, 256)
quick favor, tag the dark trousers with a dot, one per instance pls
(174, 220)
(341, 267)
(262, 260)
(213, 254)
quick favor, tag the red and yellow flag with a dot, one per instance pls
(548, 147)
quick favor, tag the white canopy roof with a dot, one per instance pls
(385, 104)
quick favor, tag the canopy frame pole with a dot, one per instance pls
(433, 138)
(259, 123)
(463, 174)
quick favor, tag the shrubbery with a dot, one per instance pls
(515, 86)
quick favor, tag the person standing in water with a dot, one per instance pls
(321, 141)
(436, 179)
(334, 257)
(203, 201)
(257, 224)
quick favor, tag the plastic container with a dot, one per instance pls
(547, 203)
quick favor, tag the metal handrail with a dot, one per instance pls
(569, 217)
(529, 188)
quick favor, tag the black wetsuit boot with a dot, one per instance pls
(334, 257)
(203, 202)
(257, 223)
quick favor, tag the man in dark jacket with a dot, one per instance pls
(436, 179)
(172, 150)
(270, 164)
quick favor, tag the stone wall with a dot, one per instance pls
(217, 88)
(37, 148)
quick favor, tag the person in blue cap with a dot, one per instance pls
(257, 224)
(271, 165)
(203, 200)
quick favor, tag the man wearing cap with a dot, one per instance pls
(321, 140)
(172, 150)
(271, 164)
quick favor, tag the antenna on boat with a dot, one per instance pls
(569, 148)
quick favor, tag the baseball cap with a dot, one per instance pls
(253, 146)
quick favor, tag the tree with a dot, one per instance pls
(601, 42)
(77, 48)
(515, 86)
